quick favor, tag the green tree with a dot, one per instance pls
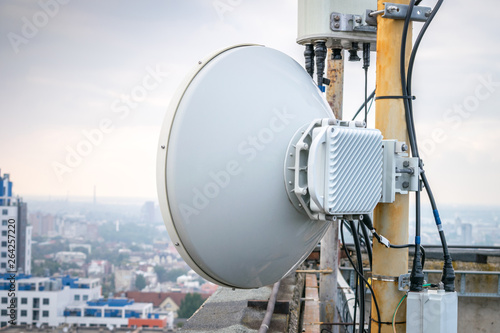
(173, 274)
(161, 272)
(189, 305)
(81, 249)
(140, 282)
(50, 265)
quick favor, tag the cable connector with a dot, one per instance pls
(417, 274)
(448, 278)
(385, 241)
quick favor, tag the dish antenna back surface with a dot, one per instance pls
(221, 165)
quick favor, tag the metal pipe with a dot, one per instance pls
(270, 308)
(390, 220)
(335, 91)
(329, 258)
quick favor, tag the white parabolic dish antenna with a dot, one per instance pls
(221, 161)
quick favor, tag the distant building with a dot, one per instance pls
(43, 224)
(42, 300)
(124, 279)
(466, 234)
(119, 312)
(162, 302)
(14, 218)
(99, 268)
(73, 246)
(66, 300)
(68, 257)
(148, 212)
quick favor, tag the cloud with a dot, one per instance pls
(65, 79)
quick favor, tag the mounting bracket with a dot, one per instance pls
(398, 11)
(401, 173)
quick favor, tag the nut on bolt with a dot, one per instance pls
(390, 9)
(337, 25)
(358, 19)
(336, 18)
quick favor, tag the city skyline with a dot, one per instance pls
(85, 86)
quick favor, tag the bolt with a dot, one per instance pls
(337, 25)
(428, 13)
(406, 164)
(358, 19)
(336, 18)
(290, 182)
(404, 147)
(306, 146)
(406, 184)
(162, 147)
(390, 9)
(199, 62)
(300, 205)
(176, 244)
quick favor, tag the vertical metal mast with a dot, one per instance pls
(390, 220)
(329, 259)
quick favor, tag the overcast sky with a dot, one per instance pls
(67, 69)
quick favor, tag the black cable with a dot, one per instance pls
(366, 64)
(367, 221)
(364, 230)
(362, 277)
(404, 91)
(361, 290)
(309, 59)
(417, 276)
(448, 277)
(366, 96)
(412, 62)
(372, 95)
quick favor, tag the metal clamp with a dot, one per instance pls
(401, 173)
(398, 11)
(345, 22)
(385, 278)
(404, 282)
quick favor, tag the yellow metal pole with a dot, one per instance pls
(390, 220)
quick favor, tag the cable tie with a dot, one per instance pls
(388, 322)
(396, 97)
